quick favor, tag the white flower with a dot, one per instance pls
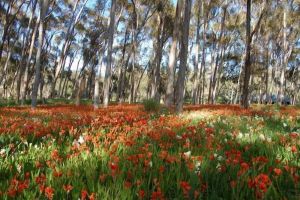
(81, 140)
(284, 124)
(262, 137)
(269, 139)
(240, 135)
(178, 137)
(197, 167)
(247, 135)
(197, 164)
(220, 158)
(19, 167)
(187, 154)
(218, 167)
(150, 164)
(2, 151)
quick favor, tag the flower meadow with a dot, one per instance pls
(124, 152)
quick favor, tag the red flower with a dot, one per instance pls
(277, 171)
(113, 166)
(127, 184)
(294, 149)
(233, 184)
(141, 194)
(260, 183)
(67, 188)
(49, 192)
(84, 194)
(185, 187)
(156, 195)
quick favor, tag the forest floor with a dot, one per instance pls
(123, 152)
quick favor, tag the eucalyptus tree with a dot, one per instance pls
(110, 40)
(173, 55)
(76, 13)
(180, 84)
(44, 6)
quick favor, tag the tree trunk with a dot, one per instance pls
(24, 50)
(245, 96)
(183, 57)
(203, 57)
(220, 48)
(132, 78)
(172, 56)
(267, 75)
(155, 83)
(9, 19)
(44, 9)
(197, 63)
(66, 45)
(280, 96)
(107, 78)
(26, 72)
(98, 79)
(121, 69)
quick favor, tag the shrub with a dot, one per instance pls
(151, 105)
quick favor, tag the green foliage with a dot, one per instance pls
(151, 105)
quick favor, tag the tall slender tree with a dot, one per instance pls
(172, 56)
(107, 78)
(180, 85)
(44, 6)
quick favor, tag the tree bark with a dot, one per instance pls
(218, 58)
(98, 79)
(183, 57)
(66, 45)
(25, 83)
(107, 78)
(121, 69)
(155, 83)
(44, 4)
(197, 63)
(245, 96)
(172, 56)
(280, 96)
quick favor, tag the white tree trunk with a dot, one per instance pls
(44, 4)
(107, 77)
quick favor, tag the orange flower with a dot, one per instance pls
(92, 196)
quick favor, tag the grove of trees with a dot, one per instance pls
(176, 52)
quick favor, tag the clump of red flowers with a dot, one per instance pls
(260, 184)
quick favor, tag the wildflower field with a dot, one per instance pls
(123, 152)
